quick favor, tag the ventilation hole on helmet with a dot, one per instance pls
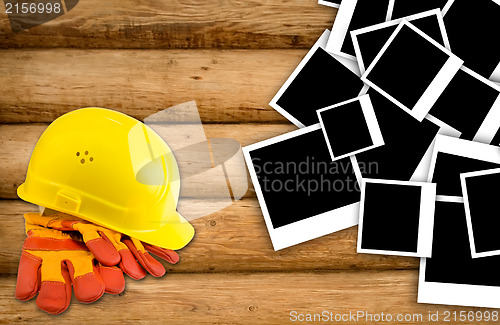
(86, 153)
(77, 154)
(82, 161)
(91, 159)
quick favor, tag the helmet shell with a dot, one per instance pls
(109, 168)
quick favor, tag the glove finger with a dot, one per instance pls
(113, 279)
(130, 266)
(103, 250)
(87, 282)
(55, 296)
(147, 261)
(28, 276)
(166, 254)
(98, 243)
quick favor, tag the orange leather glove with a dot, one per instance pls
(52, 261)
(111, 247)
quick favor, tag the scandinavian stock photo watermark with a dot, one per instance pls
(365, 317)
(310, 176)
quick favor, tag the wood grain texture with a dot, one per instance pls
(17, 143)
(234, 239)
(178, 24)
(241, 299)
(229, 86)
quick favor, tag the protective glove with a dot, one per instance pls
(111, 247)
(52, 261)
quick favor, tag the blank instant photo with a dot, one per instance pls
(350, 127)
(303, 194)
(480, 192)
(334, 4)
(369, 41)
(471, 104)
(452, 276)
(406, 143)
(403, 8)
(396, 218)
(412, 70)
(479, 21)
(352, 15)
(320, 80)
(452, 157)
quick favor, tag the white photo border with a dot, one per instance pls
(435, 88)
(328, 4)
(426, 218)
(341, 26)
(370, 119)
(495, 76)
(312, 227)
(320, 43)
(491, 123)
(455, 294)
(428, 13)
(461, 148)
(463, 178)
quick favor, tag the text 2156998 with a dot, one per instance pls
(33, 7)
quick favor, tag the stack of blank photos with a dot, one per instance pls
(398, 110)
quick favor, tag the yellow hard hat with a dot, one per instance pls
(110, 169)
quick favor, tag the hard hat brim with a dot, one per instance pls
(173, 235)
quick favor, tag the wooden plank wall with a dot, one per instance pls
(139, 57)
